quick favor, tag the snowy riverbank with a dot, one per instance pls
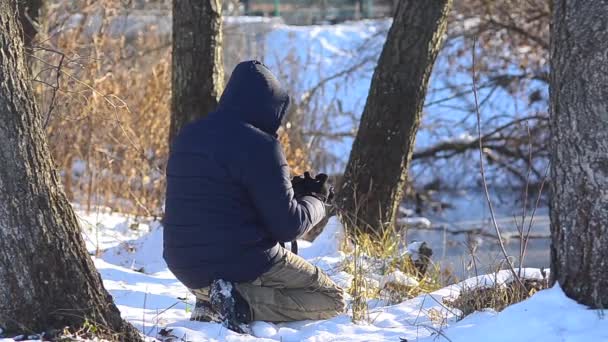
(151, 298)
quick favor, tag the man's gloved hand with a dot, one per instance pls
(322, 189)
(317, 187)
(302, 184)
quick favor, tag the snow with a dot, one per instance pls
(149, 296)
(500, 278)
(233, 20)
(151, 302)
(327, 243)
(153, 299)
(398, 278)
(549, 315)
(414, 247)
(102, 229)
(418, 222)
(144, 254)
(225, 288)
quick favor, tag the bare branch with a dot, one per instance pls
(456, 147)
(483, 174)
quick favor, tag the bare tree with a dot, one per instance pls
(377, 168)
(512, 66)
(48, 279)
(579, 150)
(197, 67)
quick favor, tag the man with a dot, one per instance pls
(229, 204)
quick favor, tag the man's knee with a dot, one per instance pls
(337, 297)
(341, 302)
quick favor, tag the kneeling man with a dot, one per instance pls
(229, 204)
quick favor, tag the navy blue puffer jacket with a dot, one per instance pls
(229, 196)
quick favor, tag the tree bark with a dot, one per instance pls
(47, 278)
(579, 150)
(198, 72)
(376, 172)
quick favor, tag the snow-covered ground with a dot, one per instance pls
(150, 297)
(547, 316)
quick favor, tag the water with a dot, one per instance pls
(467, 227)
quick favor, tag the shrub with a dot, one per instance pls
(107, 98)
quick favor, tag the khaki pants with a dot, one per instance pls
(292, 290)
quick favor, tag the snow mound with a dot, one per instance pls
(101, 229)
(144, 254)
(549, 315)
(398, 278)
(500, 278)
(327, 243)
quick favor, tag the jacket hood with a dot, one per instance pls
(255, 95)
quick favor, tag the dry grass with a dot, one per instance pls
(372, 259)
(107, 104)
(496, 297)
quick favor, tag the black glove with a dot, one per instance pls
(302, 184)
(322, 189)
(318, 187)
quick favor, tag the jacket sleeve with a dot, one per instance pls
(268, 183)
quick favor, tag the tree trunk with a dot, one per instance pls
(47, 278)
(579, 150)
(376, 172)
(198, 72)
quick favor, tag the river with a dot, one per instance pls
(467, 226)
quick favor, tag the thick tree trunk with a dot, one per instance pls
(198, 72)
(376, 172)
(47, 279)
(579, 149)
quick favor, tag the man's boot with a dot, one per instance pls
(232, 308)
(203, 312)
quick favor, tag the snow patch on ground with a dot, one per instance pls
(398, 278)
(549, 315)
(144, 254)
(102, 229)
(156, 302)
(327, 243)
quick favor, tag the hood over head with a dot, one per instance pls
(255, 95)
